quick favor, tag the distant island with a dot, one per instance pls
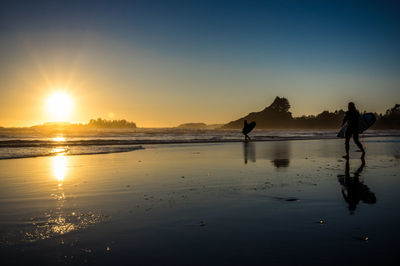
(193, 125)
(92, 125)
(200, 126)
(277, 116)
(103, 123)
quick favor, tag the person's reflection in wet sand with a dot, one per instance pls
(278, 163)
(280, 154)
(353, 189)
(249, 152)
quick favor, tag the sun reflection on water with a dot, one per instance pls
(59, 150)
(61, 217)
(60, 167)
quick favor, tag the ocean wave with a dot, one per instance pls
(24, 146)
(29, 152)
(198, 137)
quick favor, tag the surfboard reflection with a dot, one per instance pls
(249, 152)
(278, 153)
(353, 188)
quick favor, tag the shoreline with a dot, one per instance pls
(121, 146)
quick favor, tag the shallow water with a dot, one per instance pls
(29, 143)
(257, 203)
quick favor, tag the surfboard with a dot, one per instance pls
(365, 121)
(249, 127)
(342, 131)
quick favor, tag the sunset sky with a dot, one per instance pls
(163, 63)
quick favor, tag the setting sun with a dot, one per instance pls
(59, 106)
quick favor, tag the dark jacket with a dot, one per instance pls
(351, 118)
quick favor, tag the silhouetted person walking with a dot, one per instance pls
(247, 128)
(352, 117)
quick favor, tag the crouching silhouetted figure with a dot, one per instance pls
(247, 128)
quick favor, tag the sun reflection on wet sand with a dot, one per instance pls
(61, 219)
(59, 167)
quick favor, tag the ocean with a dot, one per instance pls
(27, 143)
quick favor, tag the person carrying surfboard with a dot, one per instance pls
(247, 128)
(352, 118)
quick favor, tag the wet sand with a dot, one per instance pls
(261, 203)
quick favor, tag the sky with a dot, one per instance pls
(163, 63)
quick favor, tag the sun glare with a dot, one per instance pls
(59, 106)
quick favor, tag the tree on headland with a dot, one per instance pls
(391, 118)
(280, 105)
(325, 119)
(274, 116)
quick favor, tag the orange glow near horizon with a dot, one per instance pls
(59, 106)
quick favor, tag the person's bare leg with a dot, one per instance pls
(347, 136)
(359, 145)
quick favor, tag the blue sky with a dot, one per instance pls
(233, 57)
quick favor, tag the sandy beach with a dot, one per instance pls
(262, 203)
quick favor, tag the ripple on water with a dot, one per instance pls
(51, 224)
